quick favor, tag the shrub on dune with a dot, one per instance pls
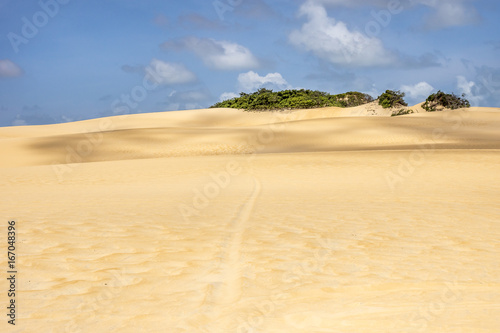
(265, 99)
(447, 101)
(401, 112)
(391, 99)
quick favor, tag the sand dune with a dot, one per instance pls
(143, 136)
(219, 220)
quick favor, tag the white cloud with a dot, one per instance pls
(186, 100)
(220, 55)
(420, 90)
(464, 85)
(481, 84)
(470, 89)
(169, 73)
(9, 69)
(252, 81)
(333, 41)
(227, 95)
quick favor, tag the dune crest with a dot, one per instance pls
(230, 132)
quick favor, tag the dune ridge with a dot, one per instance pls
(209, 132)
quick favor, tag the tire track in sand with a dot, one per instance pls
(232, 267)
(217, 310)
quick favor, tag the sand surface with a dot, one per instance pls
(328, 220)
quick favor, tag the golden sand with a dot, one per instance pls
(327, 220)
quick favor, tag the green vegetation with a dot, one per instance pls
(265, 99)
(448, 101)
(391, 99)
(401, 112)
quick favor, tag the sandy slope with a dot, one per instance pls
(207, 132)
(331, 220)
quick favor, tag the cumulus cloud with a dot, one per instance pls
(333, 41)
(227, 95)
(220, 55)
(168, 73)
(420, 90)
(9, 69)
(480, 84)
(186, 100)
(471, 90)
(489, 80)
(252, 81)
(464, 85)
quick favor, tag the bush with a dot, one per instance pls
(402, 112)
(391, 99)
(448, 101)
(353, 98)
(265, 99)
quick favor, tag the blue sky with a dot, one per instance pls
(67, 60)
